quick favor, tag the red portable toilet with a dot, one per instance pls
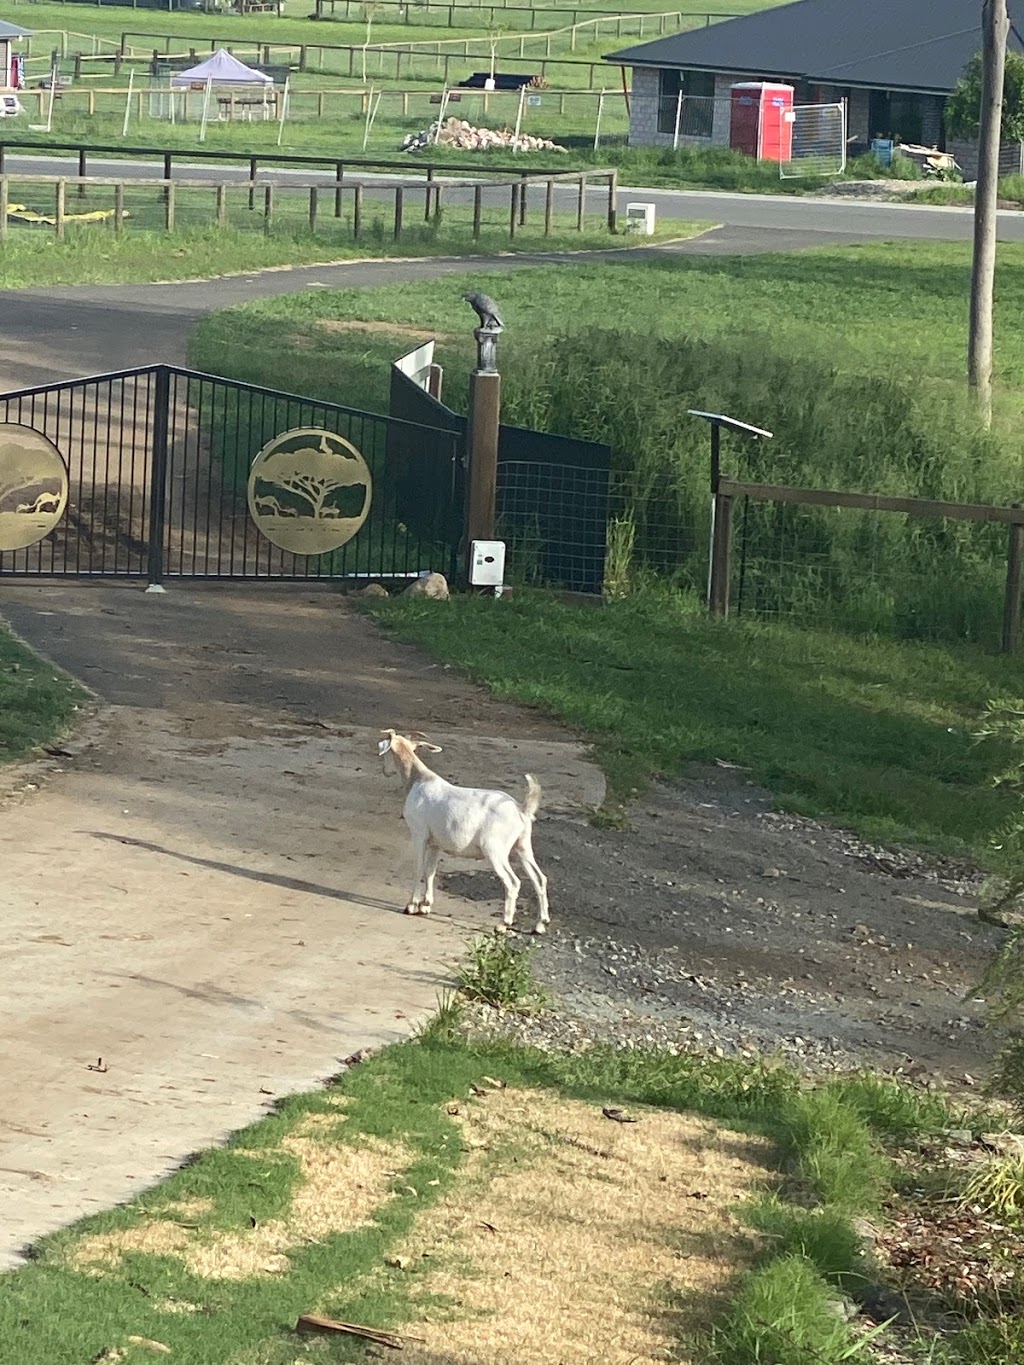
(761, 120)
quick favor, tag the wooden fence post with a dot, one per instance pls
(58, 210)
(478, 195)
(1011, 601)
(549, 207)
(581, 206)
(252, 177)
(721, 557)
(513, 214)
(222, 206)
(399, 198)
(339, 176)
(82, 172)
(357, 211)
(3, 208)
(314, 195)
(613, 201)
(119, 207)
(268, 207)
(169, 206)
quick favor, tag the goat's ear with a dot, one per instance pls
(430, 748)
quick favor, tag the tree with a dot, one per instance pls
(995, 24)
(370, 9)
(314, 474)
(963, 108)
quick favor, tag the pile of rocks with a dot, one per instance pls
(458, 133)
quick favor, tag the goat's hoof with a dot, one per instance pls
(540, 928)
(412, 908)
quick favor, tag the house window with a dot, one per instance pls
(697, 110)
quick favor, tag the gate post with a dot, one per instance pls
(721, 557)
(1011, 598)
(158, 479)
(482, 433)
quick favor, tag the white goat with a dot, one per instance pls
(468, 821)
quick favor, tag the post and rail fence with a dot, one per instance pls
(727, 491)
(431, 187)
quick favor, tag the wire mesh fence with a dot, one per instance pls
(870, 572)
(830, 568)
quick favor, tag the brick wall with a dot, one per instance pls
(643, 112)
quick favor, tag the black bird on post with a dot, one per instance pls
(486, 310)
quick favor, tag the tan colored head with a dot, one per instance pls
(415, 739)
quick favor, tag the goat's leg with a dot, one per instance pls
(537, 877)
(503, 869)
(419, 904)
(431, 859)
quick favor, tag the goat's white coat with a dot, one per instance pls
(471, 822)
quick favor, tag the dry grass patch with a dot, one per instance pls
(573, 1237)
(341, 1187)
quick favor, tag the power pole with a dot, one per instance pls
(995, 30)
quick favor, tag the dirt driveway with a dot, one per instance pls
(201, 907)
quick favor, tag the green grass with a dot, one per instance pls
(873, 735)
(783, 1316)
(37, 701)
(499, 973)
(853, 357)
(50, 1311)
(874, 309)
(94, 254)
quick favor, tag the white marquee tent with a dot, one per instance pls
(221, 69)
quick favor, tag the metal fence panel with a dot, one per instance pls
(819, 141)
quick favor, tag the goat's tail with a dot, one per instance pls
(532, 803)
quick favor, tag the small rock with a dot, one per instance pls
(959, 1137)
(373, 590)
(433, 585)
(397, 1262)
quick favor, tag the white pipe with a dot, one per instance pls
(284, 110)
(206, 109)
(371, 113)
(442, 110)
(53, 92)
(597, 126)
(519, 119)
(679, 111)
(128, 103)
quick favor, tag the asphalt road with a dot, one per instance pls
(781, 212)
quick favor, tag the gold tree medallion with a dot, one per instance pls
(33, 486)
(309, 491)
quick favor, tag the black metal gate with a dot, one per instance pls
(169, 473)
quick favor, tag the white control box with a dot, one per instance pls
(640, 219)
(487, 563)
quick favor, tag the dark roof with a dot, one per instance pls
(894, 44)
(13, 31)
